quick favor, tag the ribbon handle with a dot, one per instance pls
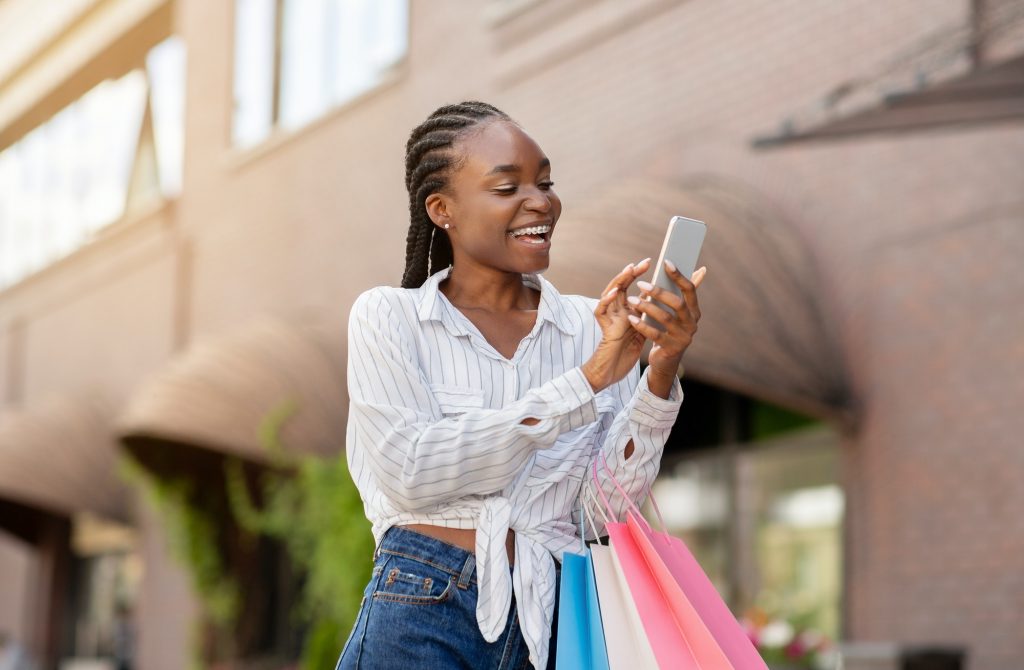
(632, 506)
(585, 511)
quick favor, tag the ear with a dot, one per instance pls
(439, 209)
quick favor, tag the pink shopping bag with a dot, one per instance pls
(667, 584)
(675, 643)
(693, 598)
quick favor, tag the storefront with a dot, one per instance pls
(64, 506)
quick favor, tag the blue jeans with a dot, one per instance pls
(419, 611)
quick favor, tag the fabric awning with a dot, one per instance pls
(994, 94)
(218, 394)
(60, 456)
(765, 329)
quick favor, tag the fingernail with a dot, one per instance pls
(644, 286)
(646, 260)
(671, 266)
(628, 266)
(613, 291)
(633, 300)
(634, 319)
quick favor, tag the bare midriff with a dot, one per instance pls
(464, 538)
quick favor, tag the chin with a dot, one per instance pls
(536, 267)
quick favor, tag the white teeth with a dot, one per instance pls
(533, 230)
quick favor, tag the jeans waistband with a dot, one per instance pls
(456, 561)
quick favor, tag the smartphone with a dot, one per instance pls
(682, 244)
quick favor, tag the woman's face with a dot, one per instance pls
(500, 188)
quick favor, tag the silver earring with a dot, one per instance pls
(447, 226)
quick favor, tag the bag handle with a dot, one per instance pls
(632, 506)
(586, 512)
(583, 539)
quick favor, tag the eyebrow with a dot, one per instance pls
(502, 169)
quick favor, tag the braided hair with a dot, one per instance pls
(428, 165)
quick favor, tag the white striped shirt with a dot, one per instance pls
(435, 435)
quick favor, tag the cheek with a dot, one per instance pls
(556, 206)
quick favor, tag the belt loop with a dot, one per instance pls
(467, 572)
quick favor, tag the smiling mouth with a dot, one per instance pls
(532, 234)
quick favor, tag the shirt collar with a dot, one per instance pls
(432, 306)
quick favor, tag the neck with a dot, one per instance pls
(487, 289)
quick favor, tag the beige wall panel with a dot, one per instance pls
(108, 338)
(166, 607)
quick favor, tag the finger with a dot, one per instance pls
(635, 270)
(653, 311)
(642, 267)
(667, 298)
(645, 329)
(606, 300)
(688, 288)
(625, 275)
(678, 277)
(698, 278)
(699, 275)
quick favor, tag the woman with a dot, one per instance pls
(480, 397)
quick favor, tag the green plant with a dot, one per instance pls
(307, 503)
(312, 506)
(191, 529)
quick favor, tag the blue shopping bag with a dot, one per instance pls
(580, 644)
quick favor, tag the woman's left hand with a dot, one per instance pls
(679, 320)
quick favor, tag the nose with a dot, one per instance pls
(538, 201)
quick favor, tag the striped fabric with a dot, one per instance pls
(435, 436)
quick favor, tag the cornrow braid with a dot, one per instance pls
(428, 164)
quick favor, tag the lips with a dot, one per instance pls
(540, 230)
(536, 237)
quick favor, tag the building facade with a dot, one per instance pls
(192, 194)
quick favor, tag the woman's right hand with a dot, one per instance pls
(621, 344)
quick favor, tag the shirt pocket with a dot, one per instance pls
(455, 400)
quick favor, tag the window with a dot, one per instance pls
(72, 175)
(106, 571)
(296, 59)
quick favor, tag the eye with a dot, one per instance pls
(505, 190)
(546, 185)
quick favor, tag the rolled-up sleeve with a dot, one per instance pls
(647, 420)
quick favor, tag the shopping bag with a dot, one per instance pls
(581, 643)
(625, 639)
(691, 595)
(687, 623)
(669, 640)
(598, 645)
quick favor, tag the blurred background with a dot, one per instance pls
(193, 193)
